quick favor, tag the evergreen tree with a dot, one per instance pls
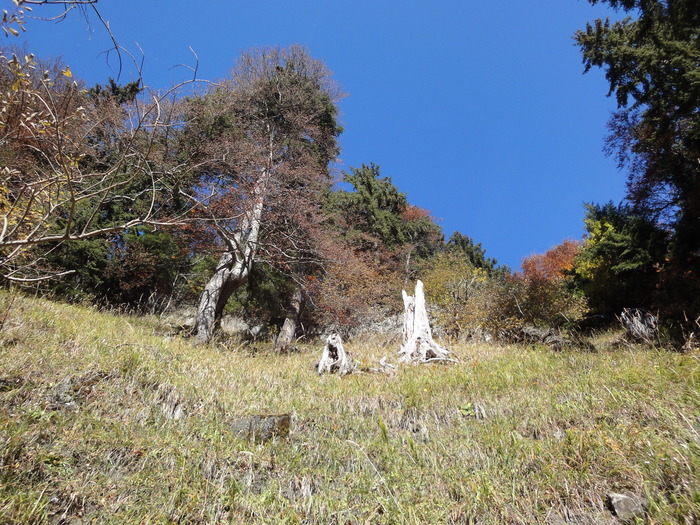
(375, 206)
(474, 253)
(652, 64)
(617, 265)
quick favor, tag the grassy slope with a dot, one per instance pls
(89, 428)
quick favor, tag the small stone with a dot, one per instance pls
(625, 506)
(558, 433)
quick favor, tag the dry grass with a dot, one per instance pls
(102, 419)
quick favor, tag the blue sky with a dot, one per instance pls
(478, 111)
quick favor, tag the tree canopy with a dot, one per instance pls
(652, 63)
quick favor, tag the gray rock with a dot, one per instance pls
(553, 339)
(182, 318)
(546, 337)
(171, 402)
(625, 506)
(234, 325)
(300, 489)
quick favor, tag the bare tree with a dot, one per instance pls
(67, 157)
(262, 142)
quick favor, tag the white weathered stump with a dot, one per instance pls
(418, 344)
(334, 357)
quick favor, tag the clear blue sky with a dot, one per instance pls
(478, 111)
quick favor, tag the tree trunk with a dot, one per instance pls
(289, 328)
(409, 309)
(230, 274)
(418, 344)
(234, 266)
(334, 357)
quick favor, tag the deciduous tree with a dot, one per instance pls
(546, 295)
(261, 142)
(619, 262)
(69, 158)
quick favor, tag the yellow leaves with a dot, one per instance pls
(19, 70)
(18, 215)
(598, 229)
(457, 290)
(16, 17)
(5, 203)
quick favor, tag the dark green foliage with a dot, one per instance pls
(376, 205)
(653, 59)
(377, 220)
(424, 236)
(652, 64)
(264, 298)
(144, 268)
(474, 253)
(120, 93)
(377, 213)
(130, 268)
(620, 259)
(88, 259)
(140, 269)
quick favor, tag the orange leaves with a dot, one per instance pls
(554, 263)
(356, 287)
(547, 293)
(414, 213)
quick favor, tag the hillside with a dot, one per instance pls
(109, 419)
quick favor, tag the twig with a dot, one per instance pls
(9, 277)
(433, 359)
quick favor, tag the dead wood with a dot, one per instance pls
(418, 343)
(334, 357)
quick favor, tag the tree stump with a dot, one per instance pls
(284, 341)
(334, 357)
(418, 344)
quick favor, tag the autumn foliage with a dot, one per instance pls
(556, 263)
(545, 287)
(147, 201)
